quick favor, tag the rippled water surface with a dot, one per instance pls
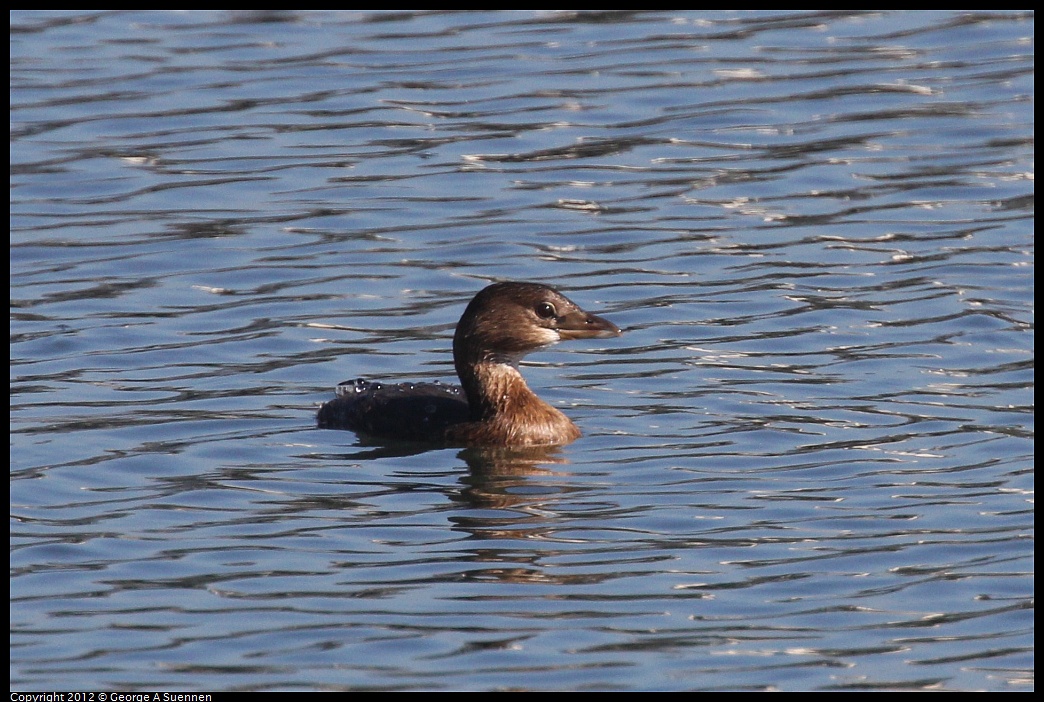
(807, 464)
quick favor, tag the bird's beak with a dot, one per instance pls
(581, 325)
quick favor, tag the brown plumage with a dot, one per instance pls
(493, 406)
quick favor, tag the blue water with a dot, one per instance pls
(807, 464)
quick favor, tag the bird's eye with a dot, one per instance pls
(545, 310)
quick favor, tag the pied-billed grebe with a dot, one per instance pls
(495, 407)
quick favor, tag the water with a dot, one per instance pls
(807, 464)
